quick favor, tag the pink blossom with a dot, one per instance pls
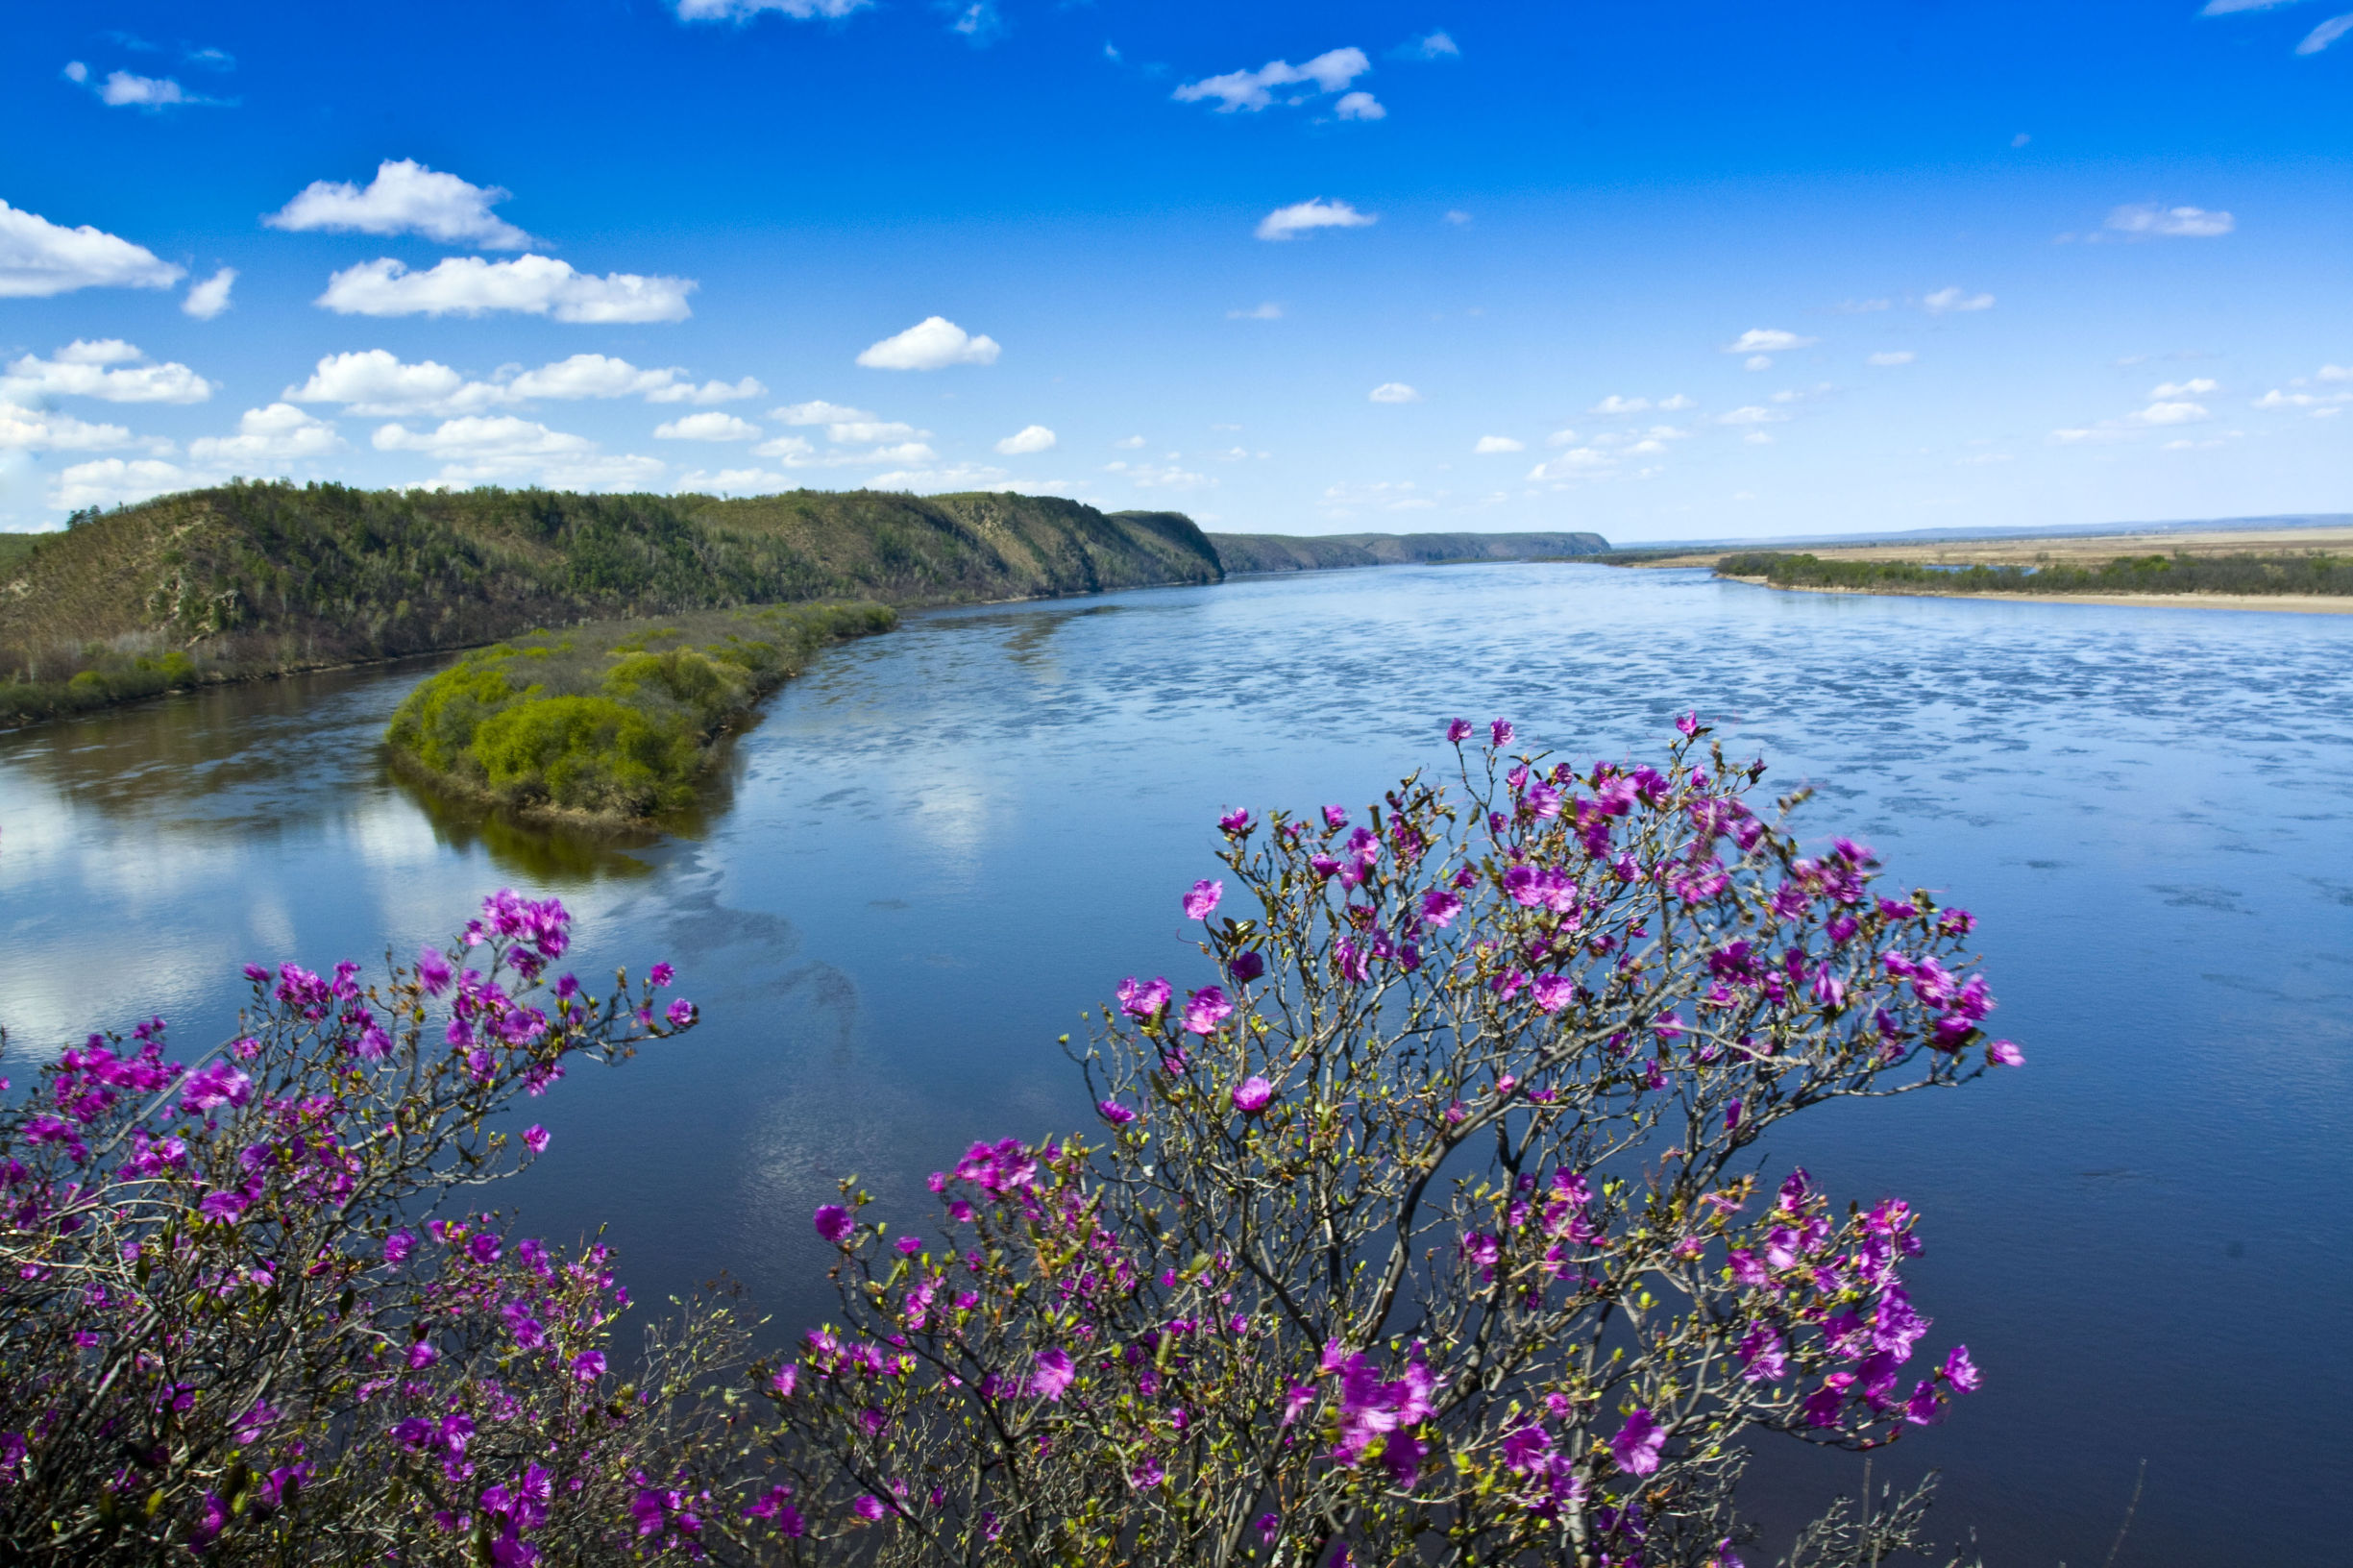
(1636, 1446)
(834, 1223)
(1202, 899)
(1208, 1009)
(2002, 1053)
(1053, 1374)
(1458, 731)
(535, 1138)
(1251, 1095)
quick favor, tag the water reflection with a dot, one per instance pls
(941, 844)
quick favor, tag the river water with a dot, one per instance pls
(940, 845)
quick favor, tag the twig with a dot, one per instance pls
(2129, 1508)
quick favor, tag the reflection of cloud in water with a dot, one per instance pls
(952, 810)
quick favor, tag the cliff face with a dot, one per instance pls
(252, 578)
(1323, 552)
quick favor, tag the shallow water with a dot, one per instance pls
(940, 845)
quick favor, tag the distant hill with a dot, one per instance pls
(258, 579)
(1249, 552)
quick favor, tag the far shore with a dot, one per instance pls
(2291, 603)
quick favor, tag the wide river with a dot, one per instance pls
(942, 844)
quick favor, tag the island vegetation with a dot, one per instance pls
(2307, 572)
(613, 721)
(247, 581)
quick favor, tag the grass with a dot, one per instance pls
(615, 721)
(2311, 571)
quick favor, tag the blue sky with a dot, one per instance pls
(1668, 271)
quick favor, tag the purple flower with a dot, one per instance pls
(834, 1223)
(1962, 1372)
(484, 1248)
(1269, 1526)
(535, 1140)
(223, 1208)
(1689, 723)
(1763, 1356)
(1502, 732)
(1251, 1095)
(1636, 1446)
(1922, 1408)
(868, 1508)
(217, 1083)
(1336, 818)
(2004, 1053)
(1553, 992)
(681, 1014)
(1208, 1009)
(1148, 1001)
(1247, 966)
(1237, 821)
(1118, 1114)
(1147, 1475)
(1441, 907)
(588, 1365)
(1458, 731)
(433, 971)
(661, 974)
(398, 1246)
(1054, 1371)
(1203, 898)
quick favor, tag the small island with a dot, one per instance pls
(610, 723)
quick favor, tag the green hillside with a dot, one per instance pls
(1330, 551)
(252, 579)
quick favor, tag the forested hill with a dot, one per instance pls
(1324, 552)
(250, 579)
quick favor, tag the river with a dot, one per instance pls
(940, 845)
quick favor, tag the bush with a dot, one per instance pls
(1433, 1230)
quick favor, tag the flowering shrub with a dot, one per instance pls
(1434, 1229)
(245, 1311)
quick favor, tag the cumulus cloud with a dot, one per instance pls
(1129, 442)
(1161, 475)
(26, 429)
(1028, 439)
(482, 450)
(602, 375)
(1432, 46)
(821, 413)
(39, 259)
(1359, 106)
(1304, 217)
(933, 343)
(127, 89)
(537, 285)
(2326, 34)
(2224, 8)
(405, 197)
(1253, 91)
(2176, 412)
(107, 368)
(2319, 402)
(1946, 301)
(210, 298)
(708, 391)
(1676, 404)
(2149, 221)
(1767, 340)
(1498, 443)
(733, 482)
(1394, 392)
(1616, 404)
(1751, 414)
(1574, 463)
(707, 427)
(2197, 387)
(1891, 356)
(266, 436)
(1267, 311)
(114, 481)
(376, 381)
(744, 10)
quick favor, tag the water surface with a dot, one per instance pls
(940, 845)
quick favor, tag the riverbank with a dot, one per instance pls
(2288, 603)
(608, 725)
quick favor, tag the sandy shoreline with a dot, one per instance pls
(2278, 603)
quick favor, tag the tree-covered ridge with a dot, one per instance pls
(616, 720)
(260, 578)
(1325, 552)
(2312, 572)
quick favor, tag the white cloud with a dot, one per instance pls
(107, 368)
(821, 412)
(2316, 401)
(1028, 439)
(1160, 476)
(76, 72)
(1862, 307)
(1382, 495)
(871, 429)
(597, 376)
(405, 197)
(1616, 404)
(1891, 356)
(26, 429)
(376, 381)
(707, 392)
(2150, 220)
(1331, 72)
(2168, 413)
(2334, 373)
(1435, 46)
(1303, 218)
(2326, 34)
(2223, 7)
(484, 450)
(797, 451)
(110, 482)
(1498, 443)
(537, 285)
(1394, 392)
(1562, 438)
(277, 433)
(1752, 414)
(1946, 301)
(1267, 311)
(1129, 442)
(733, 482)
(39, 259)
(956, 476)
(1676, 404)
(124, 90)
(1757, 361)
(933, 343)
(744, 10)
(210, 298)
(1576, 463)
(708, 427)
(1767, 340)
(1359, 106)
(2198, 386)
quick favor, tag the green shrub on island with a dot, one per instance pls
(2312, 572)
(615, 719)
